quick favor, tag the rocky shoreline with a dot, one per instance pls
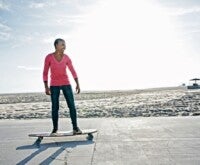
(136, 103)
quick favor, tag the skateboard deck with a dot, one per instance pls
(61, 134)
(40, 136)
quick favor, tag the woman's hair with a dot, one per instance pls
(57, 41)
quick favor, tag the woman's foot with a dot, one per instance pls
(77, 131)
(54, 131)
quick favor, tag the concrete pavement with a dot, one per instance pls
(120, 141)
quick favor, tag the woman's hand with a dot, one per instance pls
(78, 89)
(47, 91)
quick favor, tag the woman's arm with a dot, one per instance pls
(74, 74)
(45, 74)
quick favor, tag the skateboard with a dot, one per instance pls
(40, 136)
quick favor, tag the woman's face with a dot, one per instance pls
(61, 46)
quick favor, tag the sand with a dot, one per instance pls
(176, 101)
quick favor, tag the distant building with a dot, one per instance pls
(195, 85)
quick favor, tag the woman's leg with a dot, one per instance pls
(55, 93)
(68, 94)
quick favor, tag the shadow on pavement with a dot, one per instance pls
(62, 147)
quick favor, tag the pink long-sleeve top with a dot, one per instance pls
(58, 70)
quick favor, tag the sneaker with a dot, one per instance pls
(54, 132)
(77, 131)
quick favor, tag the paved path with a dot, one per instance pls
(121, 141)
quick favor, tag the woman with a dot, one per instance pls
(57, 62)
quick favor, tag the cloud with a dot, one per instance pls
(4, 27)
(4, 6)
(39, 5)
(4, 36)
(50, 39)
(22, 40)
(55, 18)
(28, 68)
(4, 32)
(183, 11)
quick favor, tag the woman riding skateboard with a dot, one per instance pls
(59, 80)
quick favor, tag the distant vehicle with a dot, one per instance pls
(195, 85)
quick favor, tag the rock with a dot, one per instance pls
(155, 114)
(185, 114)
(167, 110)
(132, 114)
(196, 113)
(172, 114)
(146, 115)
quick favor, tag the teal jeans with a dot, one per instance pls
(68, 94)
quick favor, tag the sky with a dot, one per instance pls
(113, 44)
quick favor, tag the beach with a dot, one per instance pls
(150, 126)
(174, 101)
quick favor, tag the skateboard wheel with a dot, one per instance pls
(90, 136)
